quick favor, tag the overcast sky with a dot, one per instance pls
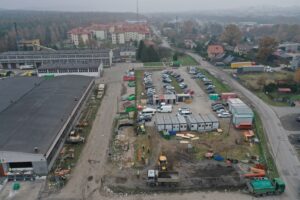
(145, 5)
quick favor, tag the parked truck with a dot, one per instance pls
(236, 65)
(265, 186)
(162, 178)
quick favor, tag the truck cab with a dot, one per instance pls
(279, 185)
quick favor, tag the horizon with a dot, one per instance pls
(146, 6)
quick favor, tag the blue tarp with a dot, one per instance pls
(218, 158)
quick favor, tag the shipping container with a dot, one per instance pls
(227, 95)
(234, 101)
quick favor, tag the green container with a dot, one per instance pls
(214, 97)
(131, 97)
(130, 109)
(16, 186)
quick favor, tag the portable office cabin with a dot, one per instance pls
(208, 122)
(234, 101)
(175, 123)
(200, 123)
(182, 123)
(192, 123)
(160, 123)
(242, 115)
(214, 120)
(168, 123)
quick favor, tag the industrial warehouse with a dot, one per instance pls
(36, 116)
(93, 69)
(12, 59)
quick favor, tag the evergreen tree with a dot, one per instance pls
(140, 50)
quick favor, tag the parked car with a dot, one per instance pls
(207, 83)
(183, 85)
(217, 107)
(184, 111)
(211, 91)
(167, 80)
(221, 110)
(224, 115)
(179, 80)
(298, 118)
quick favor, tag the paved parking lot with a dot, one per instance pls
(200, 104)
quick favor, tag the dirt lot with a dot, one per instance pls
(289, 122)
(196, 172)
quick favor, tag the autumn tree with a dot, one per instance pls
(231, 35)
(297, 76)
(267, 46)
(261, 81)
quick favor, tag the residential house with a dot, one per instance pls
(242, 49)
(189, 44)
(295, 63)
(214, 51)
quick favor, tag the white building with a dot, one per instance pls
(78, 34)
(83, 69)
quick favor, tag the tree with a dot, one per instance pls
(297, 76)
(231, 35)
(81, 42)
(175, 56)
(267, 46)
(140, 50)
(261, 81)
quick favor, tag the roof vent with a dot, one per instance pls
(36, 150)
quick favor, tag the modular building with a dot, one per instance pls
(175, 123)
(234, 101)
(242, 115)
(164, 98)
(160, 122)
(208, 122)
(168, 123)
(37, 120)
(215, 121)
(200, 122)
(192, 123)
(182, 123)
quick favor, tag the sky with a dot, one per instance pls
(145, 6)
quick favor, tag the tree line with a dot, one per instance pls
(50, 27)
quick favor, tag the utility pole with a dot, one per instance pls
(137, 11)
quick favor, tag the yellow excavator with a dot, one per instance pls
(162, 162)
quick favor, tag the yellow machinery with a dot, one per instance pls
(162, 162)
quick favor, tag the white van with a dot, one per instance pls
(165, 109)
(151, 111)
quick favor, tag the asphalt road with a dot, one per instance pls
(284, 153)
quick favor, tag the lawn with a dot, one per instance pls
(266, 156)
(251, 81)
(139, 87)
(220, 87)
(153, 64)
(187, 60)
(176, 85)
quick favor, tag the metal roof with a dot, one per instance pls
(12, 89)
(160, 119)
(181, 119)
(70, 65)
(206, 119)
(167, 119)
(212, 118)
(174, 119)
(36, 118)
(198, 118)
(84, 51)
(191, 119)
(235, 101)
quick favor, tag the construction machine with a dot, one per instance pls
(162, 162)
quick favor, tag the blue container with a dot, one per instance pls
(172, 133)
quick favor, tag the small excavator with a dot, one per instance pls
(162, 162)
